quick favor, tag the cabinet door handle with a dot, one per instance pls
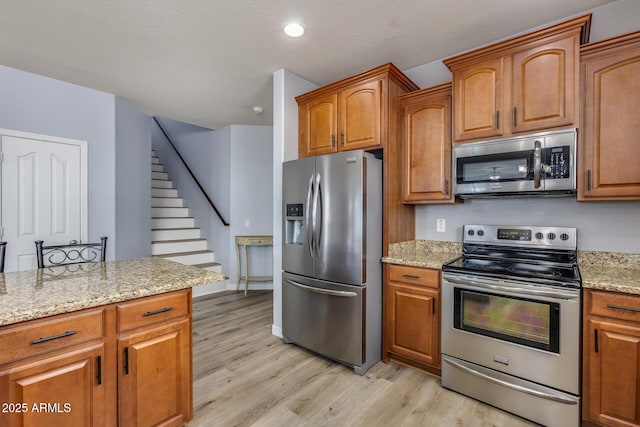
(342, 138)
(620, 307)
(498, 119)
(433, 306)
(333, 140)
(589, 180)
(515, 117)
(125, 360)
(595, 338)
(162, 310)
(446, 187)
(99, 369)
(411, 276)
(54, 337)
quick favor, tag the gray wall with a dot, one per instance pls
(37, 104)
(251, 186)
(234, 166)
(133, 182)
(607, 226)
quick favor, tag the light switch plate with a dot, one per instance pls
(441, 225)
(247, 223)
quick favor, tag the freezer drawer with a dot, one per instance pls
(324, 317)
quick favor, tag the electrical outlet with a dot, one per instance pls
(441, 225)
(247, 223)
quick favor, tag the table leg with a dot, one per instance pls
(239, 266)
(246, 270)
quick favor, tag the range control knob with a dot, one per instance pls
(480, 233)
(564, 236)
(551, 236)
(539, 235)
(471, 232)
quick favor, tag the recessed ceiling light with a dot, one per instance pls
(293, 30)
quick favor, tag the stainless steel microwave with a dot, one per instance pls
(542, 164)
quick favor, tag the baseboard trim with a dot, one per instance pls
(212, 288)
(276, 330)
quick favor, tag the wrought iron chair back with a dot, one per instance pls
(73, 253)
(3, 247)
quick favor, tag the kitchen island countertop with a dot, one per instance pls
(33, 294)
(423, 253)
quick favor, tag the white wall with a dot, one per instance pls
(37, 104)
(286, 86)
(133, 182)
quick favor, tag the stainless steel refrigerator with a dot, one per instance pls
(332, 246)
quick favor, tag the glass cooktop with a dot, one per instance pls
(516, 269)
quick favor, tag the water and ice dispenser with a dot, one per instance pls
(295, 224)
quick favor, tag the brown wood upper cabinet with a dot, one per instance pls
(524, 84)
(609, 147)
(347, 115)
(427, 145)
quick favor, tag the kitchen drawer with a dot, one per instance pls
(151, 310)
(618, 306)
(46, 335)
(414, 275)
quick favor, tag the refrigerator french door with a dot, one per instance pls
(332, 245)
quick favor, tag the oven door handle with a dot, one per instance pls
(519, 289)
(512, 386)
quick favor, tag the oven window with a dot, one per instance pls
(515, 166)
(518, 320)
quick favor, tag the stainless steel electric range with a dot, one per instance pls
(511, 321)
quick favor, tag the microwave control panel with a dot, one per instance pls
(557, 160)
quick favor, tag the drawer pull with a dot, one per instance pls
(54, 337)
(619, 307)
(162, 310)
(411, 276)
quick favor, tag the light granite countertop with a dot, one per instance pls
(610, 271)
(33, 294)
(423, 253)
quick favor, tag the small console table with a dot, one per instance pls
(247, 241)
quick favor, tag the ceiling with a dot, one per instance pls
(208, 62)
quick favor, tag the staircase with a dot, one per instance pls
(173, 232)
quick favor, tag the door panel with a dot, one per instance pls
(320, 129)
(340, 218)
(324, 317)
(42, 186)
(360, 109)
(297, 189)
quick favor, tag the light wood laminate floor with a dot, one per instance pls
(245, 376)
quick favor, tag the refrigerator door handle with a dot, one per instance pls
(319, 214)
(308, 218)
(323, 291)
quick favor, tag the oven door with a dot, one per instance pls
(522, 329)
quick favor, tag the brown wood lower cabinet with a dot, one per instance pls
(155, 382)
(611, 359)
(126, 364)
(412, 317)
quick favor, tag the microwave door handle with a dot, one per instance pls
(308, 216)
(537, 164)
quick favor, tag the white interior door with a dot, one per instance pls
(43, 182)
